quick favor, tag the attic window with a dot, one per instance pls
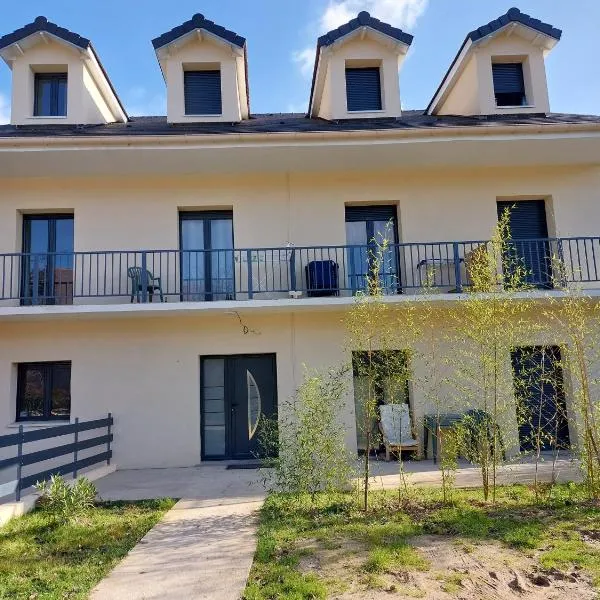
(363, 88)
(202, 91)
(509, 85)
(50, 95)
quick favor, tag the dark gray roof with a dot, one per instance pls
(514, 15)
(198, 21)
(42, 24)
(289, 123)
(363, 19)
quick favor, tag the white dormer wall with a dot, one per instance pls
(329, 100)
(473, 90)
(200, 51)
(85, 102)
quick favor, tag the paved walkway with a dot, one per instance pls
(204, 546)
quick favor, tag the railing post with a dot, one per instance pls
(293, 271)
(144, 277)
(108, 430)
(457, 275)
(75, 452)
(249, 270)
(20, 460)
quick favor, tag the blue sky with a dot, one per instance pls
(282, 35)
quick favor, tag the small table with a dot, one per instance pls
(435, 424)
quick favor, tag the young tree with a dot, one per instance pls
(306, 452)
(576, 315)
(488, 322)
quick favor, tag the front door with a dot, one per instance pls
(237, 394)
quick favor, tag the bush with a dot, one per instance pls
(63, 499)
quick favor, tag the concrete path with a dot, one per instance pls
(202, 549)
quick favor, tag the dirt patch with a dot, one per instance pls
(458, 570)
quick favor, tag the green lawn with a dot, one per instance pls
(297, 540)
(43, 558)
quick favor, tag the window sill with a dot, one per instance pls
(204, 116)
(358, 112)
(515, 106)
(37, 424)
(36, 117)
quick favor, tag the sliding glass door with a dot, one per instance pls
(207, 261)
(47, 268)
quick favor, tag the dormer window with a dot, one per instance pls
(202, 91)
(363, 89)
(509, 84)
(50, 95)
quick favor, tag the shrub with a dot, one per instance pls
(63, 499)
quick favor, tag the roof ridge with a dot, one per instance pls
(198, 21)
(41, 23)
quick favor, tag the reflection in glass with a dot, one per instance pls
(254, 404)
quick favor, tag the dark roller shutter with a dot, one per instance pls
(202, 91)
(363, 89)
(529, 231)
(370, 213)
(509, 85)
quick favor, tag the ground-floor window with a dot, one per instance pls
(44, 391)
(383, 376)
(540, 395)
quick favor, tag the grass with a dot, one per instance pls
(554, 532)
(44, 558)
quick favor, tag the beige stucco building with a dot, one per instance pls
(181, 271)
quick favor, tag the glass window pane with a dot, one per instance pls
(31, 402)
(61, 97)
(60, 401)
(43, 97)
(214, 372)
(214, 441)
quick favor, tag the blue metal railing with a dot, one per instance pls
(252, 273)
(23, 458)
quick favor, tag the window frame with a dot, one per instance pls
(373, 68)
(524, 96)
(55, 79)
(213, 71)
(48, 367)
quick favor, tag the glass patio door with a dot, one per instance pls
(370, 229)
(207, 261)
(47, 267)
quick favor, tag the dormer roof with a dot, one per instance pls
(42, 27)
(198, 22)
(361, 23)
(542, 32)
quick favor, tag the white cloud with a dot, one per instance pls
(399, 13)
(4, 110)
(140, 102)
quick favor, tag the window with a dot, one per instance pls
(44, 391)
(509, 85)
(202, 91)
(50, 95)
(363, 89)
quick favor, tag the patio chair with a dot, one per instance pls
(153, 284)
(396, 428)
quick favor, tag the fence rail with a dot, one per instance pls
(245, 274)
(23, 458)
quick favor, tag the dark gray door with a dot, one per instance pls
(237, 394)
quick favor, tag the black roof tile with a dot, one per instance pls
(198, 21)
(288, 123)
(42, 24)
(514, 15)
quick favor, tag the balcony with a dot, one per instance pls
(144, 276)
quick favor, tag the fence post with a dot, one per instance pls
(457, 275)
(293, 270)
(249, 273)
(20, 460)
(108, 442)
(144, 277)
(75, 453)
